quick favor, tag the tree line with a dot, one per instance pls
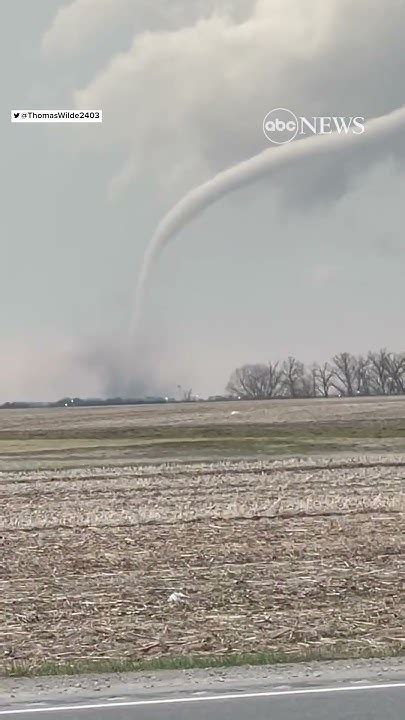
(346, 375)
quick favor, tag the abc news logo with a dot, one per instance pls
(281, 125)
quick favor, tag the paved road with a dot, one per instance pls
(376, 701)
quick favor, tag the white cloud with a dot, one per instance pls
(81, 22)
(200, 92)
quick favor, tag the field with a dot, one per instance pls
(199, 431)
(280, 527)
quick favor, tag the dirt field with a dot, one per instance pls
(271, 557)
(295, 557)
(115, 419)
(74, 437)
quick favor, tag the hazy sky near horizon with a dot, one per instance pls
(309, 265)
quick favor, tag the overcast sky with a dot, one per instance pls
(309, 265)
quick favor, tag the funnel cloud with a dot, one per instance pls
(184, 85)
(266, 163)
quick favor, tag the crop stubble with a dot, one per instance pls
(282, 556)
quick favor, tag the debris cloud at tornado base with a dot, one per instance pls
(195, 202)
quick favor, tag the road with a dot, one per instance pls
(334, 702)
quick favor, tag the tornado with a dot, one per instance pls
(197, 200)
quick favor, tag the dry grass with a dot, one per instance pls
(273, 557)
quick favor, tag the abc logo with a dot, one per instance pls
(280, 126)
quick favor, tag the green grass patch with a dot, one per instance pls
(233, 429)
(339, 651)
(199, 443)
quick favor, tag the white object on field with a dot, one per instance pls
(235, 412)
(177, 598)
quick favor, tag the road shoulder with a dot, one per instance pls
(122, 686)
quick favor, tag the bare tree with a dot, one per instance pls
(308, 383)
(344, 373)
(257, 382)
(363, 376)
(274, 379)
(324, 375)
(396, 370)
(293, 377)
(380, 371)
